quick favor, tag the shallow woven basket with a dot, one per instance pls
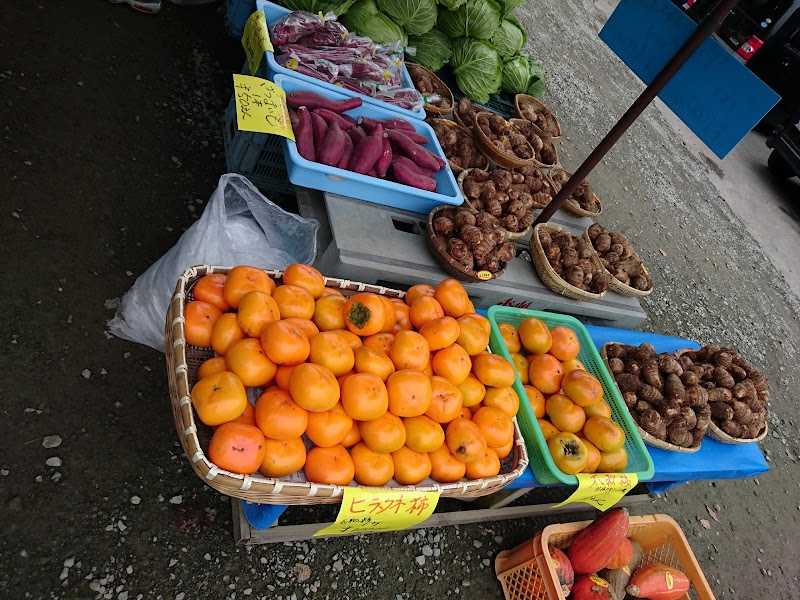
(648, 439)
(442, 90)
(520, 100)
(510, 235)
(182, 364)
(615, 284)
(456, 169)
(546, 141)
(465, 123)
(499, 158)
(571, 206)
(454, 268)
(549, 276)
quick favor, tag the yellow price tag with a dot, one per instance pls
(602, 490)
(255, 40)
(261, 106)
(366, 510)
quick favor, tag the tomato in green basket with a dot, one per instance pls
(569, 452)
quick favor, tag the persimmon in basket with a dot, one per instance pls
(350, 385)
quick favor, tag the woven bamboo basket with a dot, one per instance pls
(616, 285)
(502, 159)
(510, 235)
(466, 123)
(571, 206)
(431, 110)
(549, 276)
(182, 364)
(464, 131)
(521, 100)
(520, 124)
(649, 439)
(454, 268)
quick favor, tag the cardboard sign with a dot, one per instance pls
(255, 40)
(368, 510)
(261, 106)
(602, 490)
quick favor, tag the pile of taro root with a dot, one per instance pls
(459, 147)
(538, 117)
(583, 195)
(543, 148)
(673, 398)
(619, 258)
(467, 112)
(476, 239)
(508, 195)
(571, 259)
(503, 136)
(428, 86)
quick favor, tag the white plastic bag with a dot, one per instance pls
(238, 227)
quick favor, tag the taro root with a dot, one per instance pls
(619, 258)
(426, 84)
(652, 423)
(616, 365)
(472, 246)
(444, 226)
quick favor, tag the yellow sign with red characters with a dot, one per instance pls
(367, 510)
(261, 106)
(602, 490)
(255, 40)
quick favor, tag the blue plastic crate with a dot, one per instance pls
(236, 14)
(362, 187)
(257, 156)
(270, 68)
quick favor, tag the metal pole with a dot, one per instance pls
(704, 30)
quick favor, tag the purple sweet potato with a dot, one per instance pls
(356, 134)
(406, 176)
(312, 100)
(382, 165)
(412, 150)
(320, 129)
(367, 152)
(410, 164)
(293, 119)
(346, 154)
(304, 134)
(397, 124)
(330, 151)
(415, 137)
(367, 124)
(344, 122)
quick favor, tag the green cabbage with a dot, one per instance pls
(365, 19)
(476, 18)
(478, 68)
(538, 79)
(509, 37)
(316, 6)
(506, 6)
(433, 49)
(451, 4)
(414, 16)
(516, 75)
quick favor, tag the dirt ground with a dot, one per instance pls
(111, 125)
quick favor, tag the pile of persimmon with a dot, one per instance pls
(377, 388)
(566, 399)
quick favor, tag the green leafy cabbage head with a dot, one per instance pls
(478, 68)
(415, 17)
(433, 49)
(475, 18)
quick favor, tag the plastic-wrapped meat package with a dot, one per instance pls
(332, 33)
(295, 25)
(317, 68)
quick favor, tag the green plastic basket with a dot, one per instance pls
(542, 465)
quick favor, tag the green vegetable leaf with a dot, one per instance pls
(475, 18)
(516, 75)
(316, 6)
(478, 68)
(509, 37)
(365, 19)
(433, 49)
(451, 4)
(508, 5)
(414, 16)
(538, 78)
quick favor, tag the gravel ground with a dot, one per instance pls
(111, 144)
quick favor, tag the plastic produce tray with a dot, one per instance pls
(362, 187)
(270, 68)
(236, 14)
(542, 464)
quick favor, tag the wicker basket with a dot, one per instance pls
(571, 206)
(648, 439)
(549, 276)
(457, 170)
(662, 539)
(465, 123)
(431, 110)
(454, 268)
(616, 285)
(520, 100)
(182, 364)
(510, 235)
(499, 158)
(546, 141)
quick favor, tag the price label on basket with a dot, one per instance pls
(367, 510)
(602, 490)
(255, 40)
(261, 106)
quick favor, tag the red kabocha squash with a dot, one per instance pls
(658, 582)
(622, 556)
(594, 546)
(566, 576)
(591, 587)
